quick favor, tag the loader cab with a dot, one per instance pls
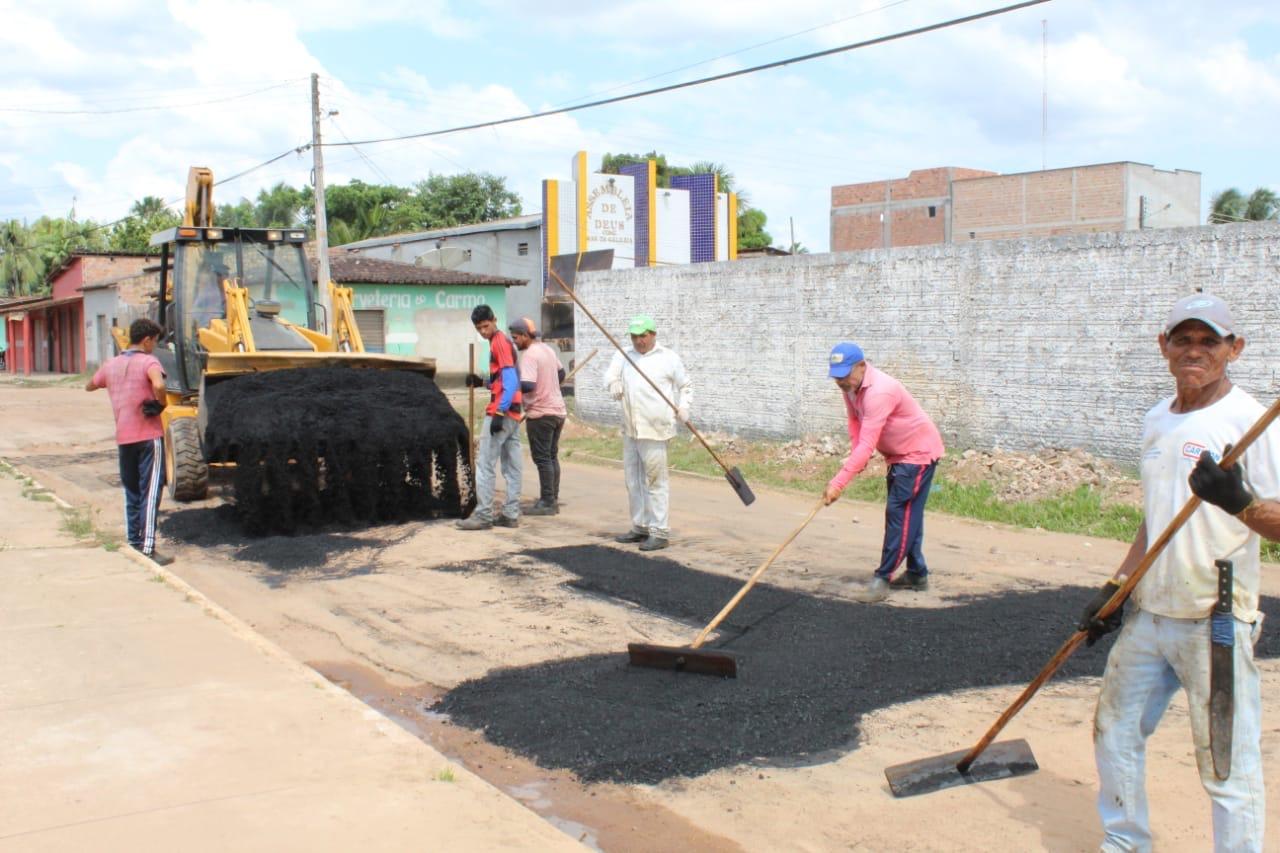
(269, 263)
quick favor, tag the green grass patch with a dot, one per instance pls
(81, 523)
(1081, 511)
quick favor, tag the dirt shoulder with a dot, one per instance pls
(391, 601)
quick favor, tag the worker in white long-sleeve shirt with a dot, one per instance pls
(648, 423)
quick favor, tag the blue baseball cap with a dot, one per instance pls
(843, 358)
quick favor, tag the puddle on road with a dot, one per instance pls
(602, 816)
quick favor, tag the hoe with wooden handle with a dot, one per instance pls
(987, 761)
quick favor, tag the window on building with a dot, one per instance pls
(522, 249)
(933, 211)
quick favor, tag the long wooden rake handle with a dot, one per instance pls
(643, 375)
(471, 408)
(579, 366)
(733, 602)
(1118, 597)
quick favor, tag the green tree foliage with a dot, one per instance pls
(1231, 205)
(751, 221)
(448, 200)
(147, 216)
(751, 233)
(21, 271)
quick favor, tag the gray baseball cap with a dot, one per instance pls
(1210, 310)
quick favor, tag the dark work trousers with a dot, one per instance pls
(142, 475)
(544, 447)
(904, 517)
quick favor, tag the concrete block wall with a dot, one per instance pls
(1017, 344)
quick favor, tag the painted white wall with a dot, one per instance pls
(1017, 344)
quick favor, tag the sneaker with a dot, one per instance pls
(474, 523)
(910, 580)
(541, 508)
(503, 521)
(877, 589)
(654, 543)
(158, 558)
(632, 536)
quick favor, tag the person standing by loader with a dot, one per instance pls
(1166, 641)
(544, 411)
(135, 383)
(500, 432)
(647, 425)
(884, 416)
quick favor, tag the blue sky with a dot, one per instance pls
(1180, 84)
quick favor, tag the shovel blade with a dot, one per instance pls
(683, 659)
(1002, 760)
(739, 483)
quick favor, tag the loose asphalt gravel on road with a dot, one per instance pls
(809, 668)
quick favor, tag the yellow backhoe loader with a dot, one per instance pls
(304, 413)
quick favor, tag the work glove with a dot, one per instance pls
(560, 374)
(615, 389)
(151, 408)
(495, 424)
(683, 414)
(474, 380)
(1222, 487)
(1089, 620)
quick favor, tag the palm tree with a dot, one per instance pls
(1262, 204)
(1231, 205)
(21, 272)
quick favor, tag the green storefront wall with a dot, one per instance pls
(431, 321)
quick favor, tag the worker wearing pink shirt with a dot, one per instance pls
(884, 416)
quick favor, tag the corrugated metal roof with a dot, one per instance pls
(347, 268)
(514, 223)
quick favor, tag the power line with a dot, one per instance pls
(107, 225)
(150, 108)
(703, 80)
(740, 50)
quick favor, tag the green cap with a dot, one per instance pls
(640, 324)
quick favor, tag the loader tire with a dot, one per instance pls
(188, 472)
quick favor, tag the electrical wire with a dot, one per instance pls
(107, 225)
(150, 108)
(740, 50)
(704, 80)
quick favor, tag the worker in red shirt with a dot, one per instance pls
(500, 432)
(884, 416)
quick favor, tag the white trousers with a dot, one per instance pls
(644, 462)
(1152, 658)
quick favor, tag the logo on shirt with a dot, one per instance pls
(1194, 449)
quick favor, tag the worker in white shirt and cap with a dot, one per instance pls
(648, 423)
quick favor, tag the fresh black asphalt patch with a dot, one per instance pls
(809, 668)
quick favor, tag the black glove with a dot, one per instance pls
(1089, 620)
(474, 380)
(1222, 487)
(151, 408)
(495, 424)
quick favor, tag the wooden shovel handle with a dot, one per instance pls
(733, 602)
(643, 375)
(1118, 597)
(579, 366)
(471, 408)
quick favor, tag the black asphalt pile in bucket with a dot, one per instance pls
(323, 444)
(809, 668)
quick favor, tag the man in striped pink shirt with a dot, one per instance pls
(884, 416)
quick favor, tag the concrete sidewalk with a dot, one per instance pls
(137, 715)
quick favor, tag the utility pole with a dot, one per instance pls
(792, 247)
(322, 225)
